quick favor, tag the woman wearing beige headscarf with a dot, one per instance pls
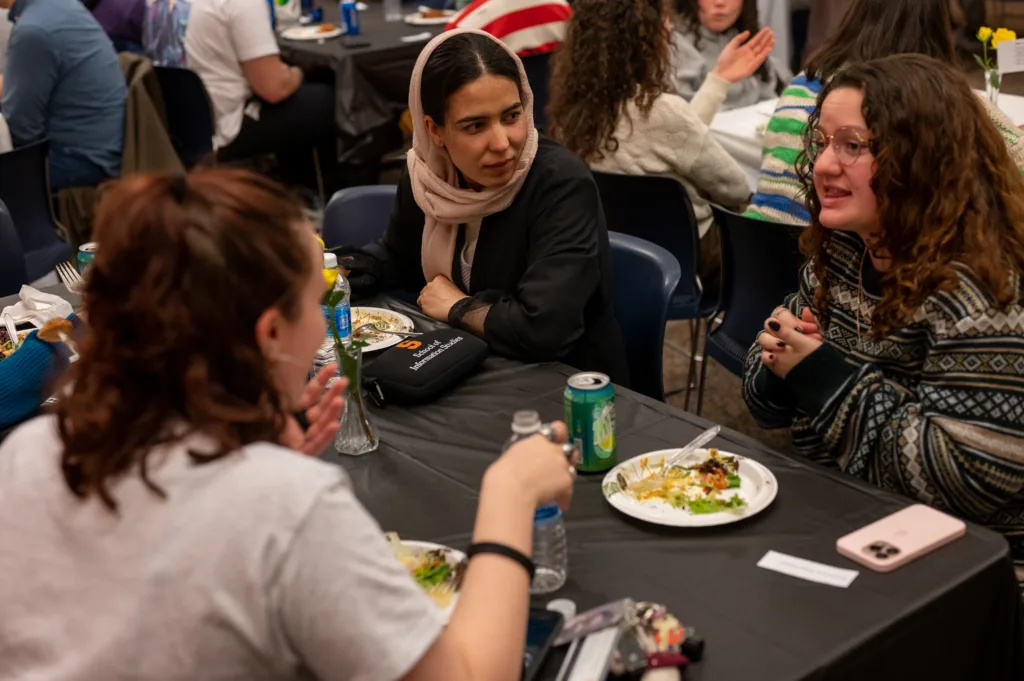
(500, 231)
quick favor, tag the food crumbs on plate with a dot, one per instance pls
(699, 489)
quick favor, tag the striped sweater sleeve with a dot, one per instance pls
(779, 196)
(957, 442)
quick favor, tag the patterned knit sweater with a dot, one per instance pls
(934, 412)
(779, 196)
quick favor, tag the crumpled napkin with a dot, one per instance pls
(37, 308)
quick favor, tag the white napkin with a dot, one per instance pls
(37, 308)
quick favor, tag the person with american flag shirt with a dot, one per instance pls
(528, 27)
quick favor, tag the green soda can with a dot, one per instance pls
(86, 254)
(590, 416)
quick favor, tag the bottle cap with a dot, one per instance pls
(524, 422)
(330, 260)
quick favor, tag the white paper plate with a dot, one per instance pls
(396, 322)
(417, 19)
(311, 33)
(758, 488)
(454, 557)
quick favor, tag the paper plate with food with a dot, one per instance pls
(437, 569)
(317, 32)
(383, 320)
(706, 488)
(430, 17)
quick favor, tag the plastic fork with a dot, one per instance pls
(70, 277)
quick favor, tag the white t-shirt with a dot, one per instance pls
(260, 565)
(221, 35)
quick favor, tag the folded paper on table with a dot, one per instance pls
(37, 308)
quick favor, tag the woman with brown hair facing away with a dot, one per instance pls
(901, 358)
(163, 524)
(620, 115)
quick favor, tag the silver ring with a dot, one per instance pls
(568, 450)
(572, 471)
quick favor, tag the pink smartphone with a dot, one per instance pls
(897, 539)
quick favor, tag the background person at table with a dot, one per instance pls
(505, 229)
(704, 30)
(232, 46)
(619, 114)
(62, 82)
(155, 512)
(122, 20)
(872, 29)
(916, 280)
(527, 26)
(165, 28)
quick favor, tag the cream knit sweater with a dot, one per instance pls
(674, 140)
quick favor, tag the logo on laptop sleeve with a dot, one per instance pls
(410, 345)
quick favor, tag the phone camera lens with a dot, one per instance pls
(892, 551)
(877, 546)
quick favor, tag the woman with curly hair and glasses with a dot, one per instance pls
(703, 32)
(164, 523)
(619, 114)
(901, 358)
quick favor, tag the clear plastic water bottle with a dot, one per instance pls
(393, 10)
(550, 550)
(343, 312)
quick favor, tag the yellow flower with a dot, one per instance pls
(322, 245)
(330, 276)
(984, 33)
(1002, 35)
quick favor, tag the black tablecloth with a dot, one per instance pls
(950, 615)
(371, 83)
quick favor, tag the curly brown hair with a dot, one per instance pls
(184, 270)
(947, 188)
(614, 53)
(689, 21)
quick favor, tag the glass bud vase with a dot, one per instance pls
(992, 82)
(356, 436)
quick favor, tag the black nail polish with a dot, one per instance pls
(780, 344)
(774, 325)
(799, 330)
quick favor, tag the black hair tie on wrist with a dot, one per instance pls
(505, 551)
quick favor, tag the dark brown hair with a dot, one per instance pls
(689, 20)
(614, 53)
(185, 267)
(946, 186)
(872, 29)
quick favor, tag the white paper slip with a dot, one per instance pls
(807, 569)
(1011, 56)
(418, 37)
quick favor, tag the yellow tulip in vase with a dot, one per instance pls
(990, 60)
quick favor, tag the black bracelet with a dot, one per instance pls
(302, 419)
(502, 550)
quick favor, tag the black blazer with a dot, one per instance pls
(543, 264)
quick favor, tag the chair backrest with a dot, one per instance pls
(644, 275)
(25, 190)
(656, 209)
(190, 122)
(12, 259)
(358, 215)
(536, 67)
(760, 267)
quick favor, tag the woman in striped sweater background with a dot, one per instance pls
(872, 29)
(901, 358)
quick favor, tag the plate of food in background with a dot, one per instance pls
(437, 569)
(706, 489)
(382, 319)
(317, 32)
(430, 17)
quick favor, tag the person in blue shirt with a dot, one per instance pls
(62, 82)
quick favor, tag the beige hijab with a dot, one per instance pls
(434, 177)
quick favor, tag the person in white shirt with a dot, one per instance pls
(164, 523)
(262, 105)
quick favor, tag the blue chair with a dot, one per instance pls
(12, 260)
(358, 215)
(644, 276)
(25, 190)
(190, 121)
(760, 266)
(536, 67)
(658, 209)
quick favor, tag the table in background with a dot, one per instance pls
(371, 83)
(739, 130)
(950, 615)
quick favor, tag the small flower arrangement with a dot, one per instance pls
(990, 61)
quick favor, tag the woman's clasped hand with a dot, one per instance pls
(787, 340)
